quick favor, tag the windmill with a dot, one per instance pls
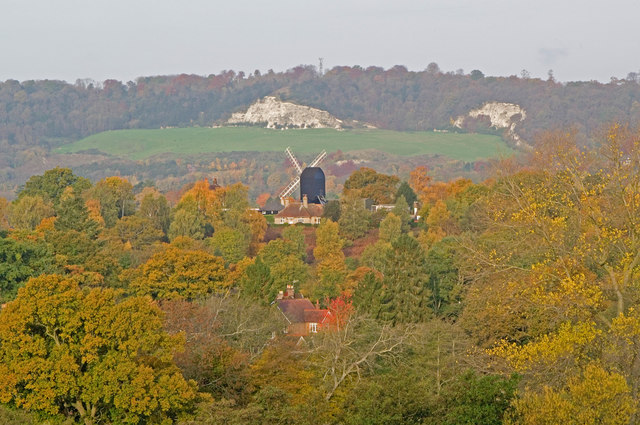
(293, 185)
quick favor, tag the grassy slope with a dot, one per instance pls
(140, 144)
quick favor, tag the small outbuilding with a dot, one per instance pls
(272, 206)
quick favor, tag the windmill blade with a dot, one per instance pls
(290, 188)
(318, 159)
(293, 160)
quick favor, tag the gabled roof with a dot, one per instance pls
(315, 315)
(294, 309)
(298, 210)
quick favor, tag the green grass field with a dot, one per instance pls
(141, 144)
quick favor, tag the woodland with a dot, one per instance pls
(37, 116)
(509, 301)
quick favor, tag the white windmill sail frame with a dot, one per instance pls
(293, 185)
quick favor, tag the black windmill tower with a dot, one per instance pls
(311, 180)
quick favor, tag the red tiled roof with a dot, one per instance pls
(294, 309)
(315, 315)
(298, 210)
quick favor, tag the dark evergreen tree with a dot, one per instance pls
(72, 214)
(408, 193)
(444, 283)
(332, 210)
(401, 209)
(405, 295)
(367, 295)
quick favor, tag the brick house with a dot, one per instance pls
(303, 318)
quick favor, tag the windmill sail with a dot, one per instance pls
(293, 185)
(293, 160)
(290, 188)
(318, 159)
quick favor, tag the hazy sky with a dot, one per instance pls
(124, 39)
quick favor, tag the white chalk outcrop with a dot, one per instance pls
(501, 115)
(274, 113)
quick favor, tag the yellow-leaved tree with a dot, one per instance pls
(553, 269)
(178, 273)
(90, 354)
(331, 267)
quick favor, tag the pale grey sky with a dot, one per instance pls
(125, 39)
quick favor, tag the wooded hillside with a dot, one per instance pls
(511, 301)
(48, 113)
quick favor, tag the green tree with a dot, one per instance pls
(354, 218)
(405, 294)
(78, 252)
(116, 198)
(26, 212)
(476, 74)
(390, 228)
(401, 209)
(474, 399)
(366, 297)
(52, 184)
(72, 214)
(374, 256)
(278, 249)
(332, 210)
(409, 195)
(19, 261)
(155, 207)
(230, 244)
(188, 223)
(296, 235)
(445, 280)
(234, 205)
(136, 232)
(367, 183)
(257, 283)
(91, 354)
(285, 263)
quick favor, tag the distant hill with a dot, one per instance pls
(38, 116)
(51, 113)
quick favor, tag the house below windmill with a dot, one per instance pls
(299, 212)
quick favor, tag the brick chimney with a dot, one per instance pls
(305, 202)
(290, 292)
